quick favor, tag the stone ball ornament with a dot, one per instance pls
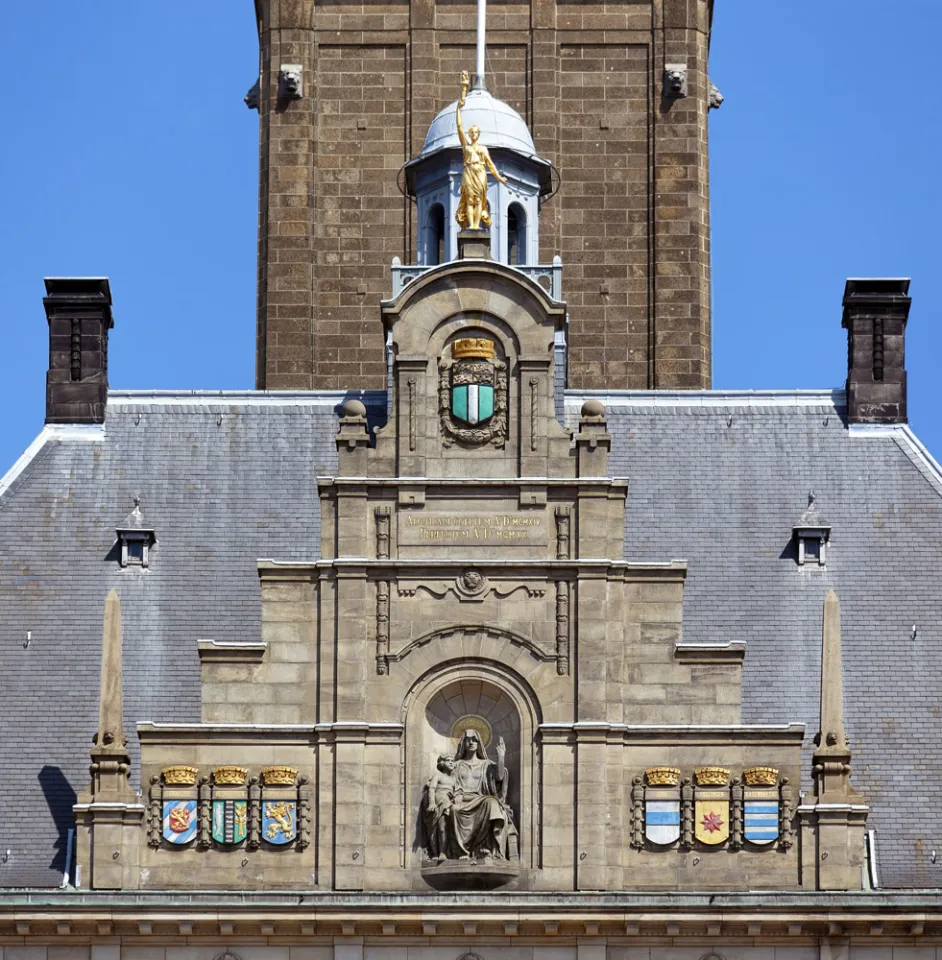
(593, 409)
(353, 408)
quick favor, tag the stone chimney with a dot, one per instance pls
(78, 310)
(875, 315)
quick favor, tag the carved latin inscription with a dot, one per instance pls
(472, 529)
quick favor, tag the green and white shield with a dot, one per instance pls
(229, 821)
(472, 391)
(472, 402)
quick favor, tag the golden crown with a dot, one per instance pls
(229, 775)
(282, 776)
(712, 776)
(180, 775)
(760, 776)
(663, 776)
(472, 347)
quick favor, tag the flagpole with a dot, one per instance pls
(482, 17)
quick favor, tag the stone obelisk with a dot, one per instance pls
(108, 815)
(834, 823)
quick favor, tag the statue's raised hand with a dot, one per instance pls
(501, 749)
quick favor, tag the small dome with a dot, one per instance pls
(501, 125)
(594, 409)
(353, 408)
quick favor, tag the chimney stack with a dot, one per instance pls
(78, 310)
(875, 315)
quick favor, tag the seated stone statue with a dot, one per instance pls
(465, 814)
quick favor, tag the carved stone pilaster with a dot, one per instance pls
(786, 832)
(534, 402)
(204, 815)
(637, 813)
(154, 797)
(382, 627)
(382, 514)
(255, 815)
(412, 414)
(736, 814)
(562, 628)
(563, 532)
(304, 813)
(686, 814)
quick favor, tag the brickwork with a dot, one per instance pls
(631, 219)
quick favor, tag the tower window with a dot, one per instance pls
(435, 235)
(516, 234)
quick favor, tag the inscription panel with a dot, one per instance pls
(438, 528)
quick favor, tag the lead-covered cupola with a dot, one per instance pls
(433, 178)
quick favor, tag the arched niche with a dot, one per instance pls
(518, 252)
(482, 695)
(434, 239)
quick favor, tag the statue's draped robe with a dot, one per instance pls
(473, 184)
(481, 821)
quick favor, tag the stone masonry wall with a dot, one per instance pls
(631, 219)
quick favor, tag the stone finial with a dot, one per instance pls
(108, 815)
(353, 438)
(111, 764)
(833, 824)
(111, 703)
(593, 441)
(831, 763)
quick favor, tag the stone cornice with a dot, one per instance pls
(153, 734)
(725, 735)
(672, 570)
(36, 916)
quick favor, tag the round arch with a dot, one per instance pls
(485, 694)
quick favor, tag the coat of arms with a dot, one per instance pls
(279, 821)
(711, 807)
(662, 805)
(229, 821)
(179, 821)
(761, 806)
(473, 393)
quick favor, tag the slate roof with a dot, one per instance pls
(718, 479)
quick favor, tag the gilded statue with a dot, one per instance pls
(472, 207)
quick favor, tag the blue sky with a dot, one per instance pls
(129, 153)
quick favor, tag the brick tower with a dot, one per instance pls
(616, 96)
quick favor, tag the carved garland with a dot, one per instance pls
(382, 627)
(562, 628)
(495, 430)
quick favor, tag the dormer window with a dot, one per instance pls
(811, 534)
(135, 538)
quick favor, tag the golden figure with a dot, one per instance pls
(472, 208)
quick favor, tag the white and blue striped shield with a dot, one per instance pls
(179, 821)
(473, 402)
(661, 816)
(761, 816)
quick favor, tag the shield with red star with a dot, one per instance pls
(711, 816)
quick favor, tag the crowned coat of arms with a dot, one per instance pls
(473, 394)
